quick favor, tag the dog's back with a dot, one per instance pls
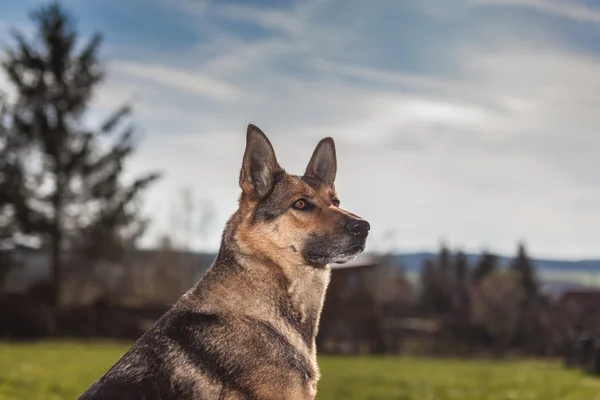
(247, 329)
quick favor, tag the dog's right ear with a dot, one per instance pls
(323, 163)
(259, 166)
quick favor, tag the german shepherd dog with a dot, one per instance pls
(247, 329)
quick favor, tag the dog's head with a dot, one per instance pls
(295, 219)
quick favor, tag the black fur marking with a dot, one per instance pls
(226, 258)
(284, 351)
(149, 388)
(192, 332)
(324, 249)
(290, 315)
(225, 265)
(274, 204)
(150, 379)
(293, 319)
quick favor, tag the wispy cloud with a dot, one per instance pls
(567, 9)
(269, 19)
(197, 83)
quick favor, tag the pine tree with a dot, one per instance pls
(461, 268)
(8, 223)
(530, 323)
(16, 219)
(486, 265)
(461, 274)
(436, 284)
(444, 259)
(79, 197)
(445, 279)
(522, 266)
(7, 220)
(428, 299)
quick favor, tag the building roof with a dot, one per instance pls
(584, 297)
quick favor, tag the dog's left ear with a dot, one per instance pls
(323, 163)
(260, 165)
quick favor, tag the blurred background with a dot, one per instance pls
(466, 133)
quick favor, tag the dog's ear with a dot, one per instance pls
(260, 165)
(323, 163)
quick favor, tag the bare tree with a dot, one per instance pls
(192, 219)
(206, 220)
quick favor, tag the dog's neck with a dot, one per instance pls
(263, 286)
(295, 290)
(306, 287)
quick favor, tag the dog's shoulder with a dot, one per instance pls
(161, 364)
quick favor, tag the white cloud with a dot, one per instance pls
(196, 83)
(273, 19)
(567, 9)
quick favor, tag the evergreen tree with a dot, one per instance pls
(461, 274)
(16, 220)
(78, 197)
(461, 269)
(444, 259)
(487, 264)
(531, 322)
(428, 299)
(436, 284)
(7, 220)
(8, 224)
(522, 266)
(445, 280)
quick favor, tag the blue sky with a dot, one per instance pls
(472, 121)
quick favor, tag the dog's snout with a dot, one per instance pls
(358, 228)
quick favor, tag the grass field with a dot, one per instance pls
(62, 371)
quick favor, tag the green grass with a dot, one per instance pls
(58, 371)
(429, 379)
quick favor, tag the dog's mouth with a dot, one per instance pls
(349, 255)
(333, 249)
(340, 258)
(359, 248)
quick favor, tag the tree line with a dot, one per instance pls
(483, 302)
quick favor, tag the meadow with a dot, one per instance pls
(57, 371)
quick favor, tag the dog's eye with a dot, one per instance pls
(335, 202)
(302, 204)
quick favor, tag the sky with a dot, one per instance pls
(472, 122)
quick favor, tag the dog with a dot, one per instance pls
(247, 329)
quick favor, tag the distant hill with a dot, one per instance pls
(413, 262)
(556, 276)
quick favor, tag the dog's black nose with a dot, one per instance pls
(358, 228)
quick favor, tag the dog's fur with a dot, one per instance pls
(247, 329)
